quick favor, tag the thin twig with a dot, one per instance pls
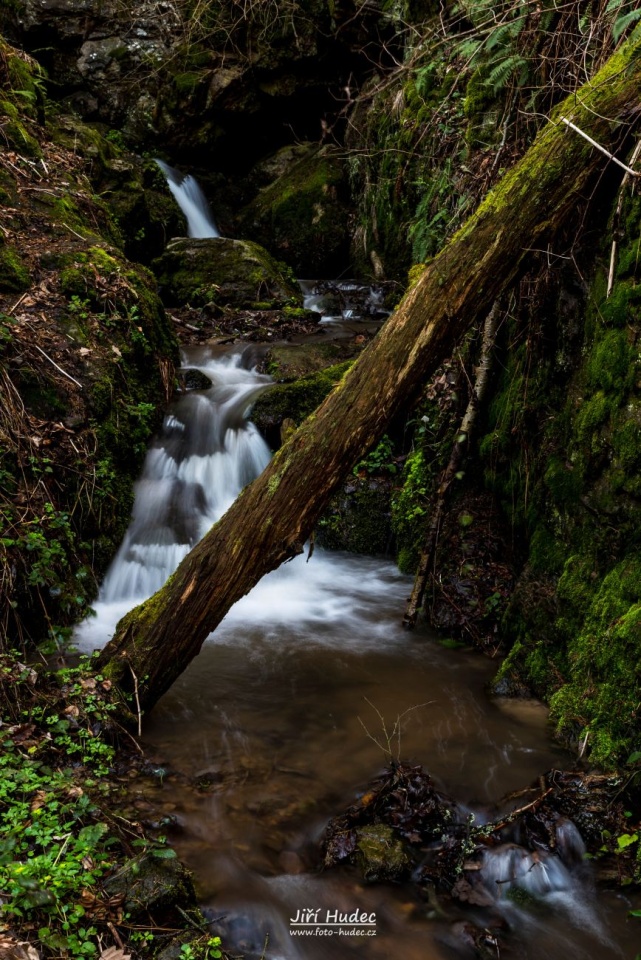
(137, 698)
(16, 304)
(617, 218)
(511, 817)
(197, 926)
(59, 369)
(619, 163)
(84, 239)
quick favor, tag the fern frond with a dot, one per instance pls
(622, 23)
(505, 33)
(503, 71)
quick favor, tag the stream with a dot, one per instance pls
(286, 715)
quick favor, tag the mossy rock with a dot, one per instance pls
(160, 886)
(288, 362)
(236, 273)
(302, 216)
(359, 518)
(380, 855)
(14, 275)
(294, 401)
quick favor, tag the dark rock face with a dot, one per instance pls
(302, 214)
(228, 272)
(183, 82)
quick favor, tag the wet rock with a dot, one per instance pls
(380, 855)
(234, 273)
(290, 862)
(174, 949)
(193, 380)
(154, 885)
(293, 402)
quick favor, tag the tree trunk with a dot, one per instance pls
(274, 515)
(459, 449)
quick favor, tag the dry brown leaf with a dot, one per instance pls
(114, 953)
(39, 800)
(12, 949)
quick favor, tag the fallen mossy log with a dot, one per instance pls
(272, 518)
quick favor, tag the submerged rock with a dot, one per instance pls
(235, 273)
(380, 854)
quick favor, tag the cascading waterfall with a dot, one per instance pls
(192, 201)
(205, 454)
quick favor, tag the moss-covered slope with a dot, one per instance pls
(86, 362)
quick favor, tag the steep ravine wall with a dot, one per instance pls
(86, 360)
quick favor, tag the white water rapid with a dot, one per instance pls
(192, 201)
(205, 453)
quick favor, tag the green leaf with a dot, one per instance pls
(622, 23)
(164, 853)
(626, 840)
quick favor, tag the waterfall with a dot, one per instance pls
(192, 201)
(204, 455)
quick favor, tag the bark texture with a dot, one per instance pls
(459, 449)
(275, 514)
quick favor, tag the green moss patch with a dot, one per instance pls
(234, 273)
(14, 274)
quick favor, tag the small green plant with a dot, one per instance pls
(211, 949)
(79, 307)
(378, 460)
(54, 844)
(116, 137)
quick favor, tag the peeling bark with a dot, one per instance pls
(275, 514)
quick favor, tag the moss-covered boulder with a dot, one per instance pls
(302, 214)
(380, 855)
(294, 401)
(234, 273)
(359, 518)
(14, 274)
